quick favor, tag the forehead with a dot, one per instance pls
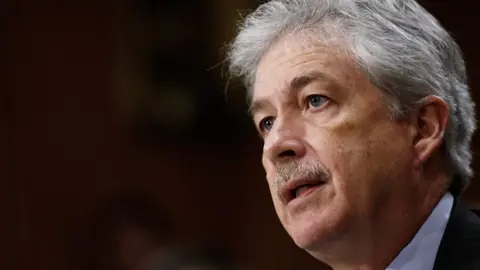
(293, 57)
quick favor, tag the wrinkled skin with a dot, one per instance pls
(331, 117)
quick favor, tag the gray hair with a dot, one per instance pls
(400, 46)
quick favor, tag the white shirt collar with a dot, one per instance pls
(420, 253)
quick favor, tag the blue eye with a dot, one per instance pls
(316, 101)
(266, 123)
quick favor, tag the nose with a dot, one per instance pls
(284, 143)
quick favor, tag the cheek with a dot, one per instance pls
(358, 155)
(277, 203)
(351, 166)
(372, 170)
(270, 177)
(269, 171)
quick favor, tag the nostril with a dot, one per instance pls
(287, 153)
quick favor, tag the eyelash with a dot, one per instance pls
(260, 124)
(307, 104)
(307, 100)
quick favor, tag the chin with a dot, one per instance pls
(318, 230)
(309, 237)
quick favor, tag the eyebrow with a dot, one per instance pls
(293, 86)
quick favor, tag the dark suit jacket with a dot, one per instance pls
(460, 245)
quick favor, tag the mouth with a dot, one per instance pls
(300, 188)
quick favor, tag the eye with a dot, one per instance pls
(316, 101)
(266, 123)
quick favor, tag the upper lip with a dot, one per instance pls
(287, 190)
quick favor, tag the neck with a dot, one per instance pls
(377, 242)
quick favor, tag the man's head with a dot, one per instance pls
(364, 110)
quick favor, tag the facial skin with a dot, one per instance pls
(321, 119)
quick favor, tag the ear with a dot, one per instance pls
(429, 121)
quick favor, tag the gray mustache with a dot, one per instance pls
(296, 169)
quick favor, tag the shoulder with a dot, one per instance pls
(460, 245)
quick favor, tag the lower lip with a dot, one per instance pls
(306, 193)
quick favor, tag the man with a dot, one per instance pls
(366, 118)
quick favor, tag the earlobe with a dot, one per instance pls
(431, 119)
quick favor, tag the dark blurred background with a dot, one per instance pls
(117, 137)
